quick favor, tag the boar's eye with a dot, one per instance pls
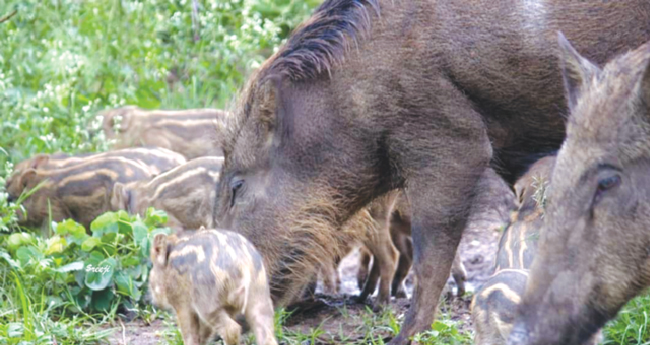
(236, 186)
(606, 184)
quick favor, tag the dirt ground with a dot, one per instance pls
(340, 320)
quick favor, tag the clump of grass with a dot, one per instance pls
(540, 184)
(631, 324)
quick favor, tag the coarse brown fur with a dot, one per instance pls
(593, 251)
(187, 193)
(209, 278)
(368, 96)
(188, 132)
(81, 192)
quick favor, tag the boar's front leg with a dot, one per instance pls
(442, 166)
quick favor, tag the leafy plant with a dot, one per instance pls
(74, 272)
(443, 331)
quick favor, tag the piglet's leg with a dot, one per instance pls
(189, 324)
(205, 332)
(260, 315)
(226, 327)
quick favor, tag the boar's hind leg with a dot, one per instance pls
(441, 181)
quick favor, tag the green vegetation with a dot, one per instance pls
(73, 274)
(61, 63)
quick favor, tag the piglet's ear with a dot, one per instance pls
(576, 70)
(159, 250)
(26, 176)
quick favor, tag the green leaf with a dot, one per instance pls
(126, 286)
(90, 243)
(124, 226)
(25, 254)
(129, 261)
(106, 223)
(101, 300)
(69, 226)
(140, 231)
(55, 245)
(99, 274)
(9, 260)
(155, 217)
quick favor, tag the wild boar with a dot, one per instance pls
(494, 305)
(593, 251)
(187, 193)
(155, 158)
(81, 192)
(368, 96)
(518, 244)
(188, 132)
(209, 278)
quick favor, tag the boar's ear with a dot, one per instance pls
(272, 105)
(576, 70)
(160, 250)
(26, 176)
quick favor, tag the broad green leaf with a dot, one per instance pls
(55, 245)
(90, 243)
(25, 254)
(101, 300)
(126, 286)
(99, 274)
(140, 231)
(72, 228)
(106, 223)
(155, 217)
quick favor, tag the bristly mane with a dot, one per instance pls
(314, 47)
(322, 41)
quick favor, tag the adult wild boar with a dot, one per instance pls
(368, 96)
(593, 252)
